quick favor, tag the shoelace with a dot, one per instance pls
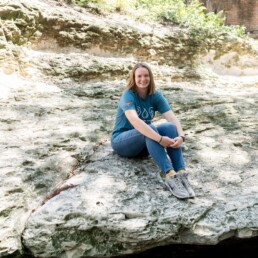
(186, 180)
(178, 183)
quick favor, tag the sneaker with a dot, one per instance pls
(176, 187)
(186, 183)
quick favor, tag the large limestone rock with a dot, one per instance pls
(64, 193)
(118, 206)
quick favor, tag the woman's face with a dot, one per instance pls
(142, 78)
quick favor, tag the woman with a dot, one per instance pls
(134, 135)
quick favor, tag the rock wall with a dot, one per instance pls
(243, 12)
(63, 191)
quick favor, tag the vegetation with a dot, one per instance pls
(187, 13)
(203, 30)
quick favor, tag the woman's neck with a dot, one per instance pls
(142, 93)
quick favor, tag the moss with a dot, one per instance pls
(103, 242)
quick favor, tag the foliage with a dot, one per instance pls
(188, 13)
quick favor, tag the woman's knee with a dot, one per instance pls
(168, 129)
(170, 126)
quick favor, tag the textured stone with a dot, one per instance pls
(64, 193)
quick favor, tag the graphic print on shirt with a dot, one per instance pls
(144, 114)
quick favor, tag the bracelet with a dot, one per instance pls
(160, 139)
(182, 137)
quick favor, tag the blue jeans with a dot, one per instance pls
(133, 144)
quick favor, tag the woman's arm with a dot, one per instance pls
(171, 117)
(146, 130)
(141, 126)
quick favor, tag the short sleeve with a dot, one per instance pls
(127, 101)
(160, 102)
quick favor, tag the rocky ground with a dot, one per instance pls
(56, 129)
(65, 193)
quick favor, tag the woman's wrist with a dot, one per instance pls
(160, 140)
(183, 137)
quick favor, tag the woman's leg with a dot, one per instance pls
(176, 155)
(134, 144)
(158, 153)
(144, 153)
(129, 144)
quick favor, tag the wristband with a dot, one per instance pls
(160, 139)
(182, 137)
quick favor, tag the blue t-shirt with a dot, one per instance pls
(145, 109)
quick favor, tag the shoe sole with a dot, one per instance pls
(171, 190)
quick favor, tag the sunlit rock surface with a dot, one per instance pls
(63, 191)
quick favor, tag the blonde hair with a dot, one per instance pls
(131, 85)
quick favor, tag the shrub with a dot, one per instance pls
(187, 13)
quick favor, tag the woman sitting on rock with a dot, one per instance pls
(134, 135)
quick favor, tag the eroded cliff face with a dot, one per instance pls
(244, 12)
(64, 193)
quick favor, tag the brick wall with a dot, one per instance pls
(237, 12)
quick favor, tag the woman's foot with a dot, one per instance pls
(184, 178)
(175, 185)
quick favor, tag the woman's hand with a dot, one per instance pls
(166, 141)
(178, 141)
(169, 142)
